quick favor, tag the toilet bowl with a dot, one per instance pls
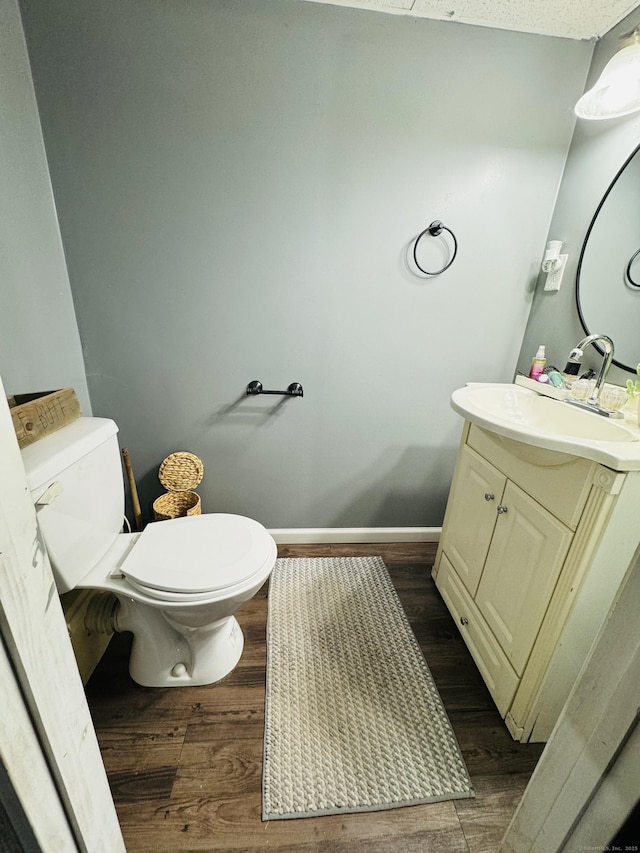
(176, 586)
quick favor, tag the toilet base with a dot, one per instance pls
(167, 654)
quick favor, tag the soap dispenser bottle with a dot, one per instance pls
(538, 364)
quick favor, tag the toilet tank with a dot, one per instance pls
(75, 479)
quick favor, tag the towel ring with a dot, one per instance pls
(434, 230)
(627, 274)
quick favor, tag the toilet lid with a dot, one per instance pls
(198, 554)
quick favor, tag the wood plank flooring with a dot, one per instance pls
(185, 764)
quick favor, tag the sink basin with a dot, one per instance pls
(522, 414)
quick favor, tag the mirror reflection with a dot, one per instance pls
(608, 278)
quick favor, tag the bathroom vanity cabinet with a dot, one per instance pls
(534, 545)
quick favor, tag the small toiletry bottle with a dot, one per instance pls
(538, 364)
(555, 377)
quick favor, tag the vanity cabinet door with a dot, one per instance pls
(471, 516)
(527, 552)
(497, 672)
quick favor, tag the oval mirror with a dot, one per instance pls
(608, 277)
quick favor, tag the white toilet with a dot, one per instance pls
(177, 584)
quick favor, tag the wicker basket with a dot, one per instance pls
(179, 473)
(176, 504)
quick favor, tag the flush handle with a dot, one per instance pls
(502, 510)
(489, 497)
(50, 494)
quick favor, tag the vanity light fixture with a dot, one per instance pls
(553, 264)
(617, 91)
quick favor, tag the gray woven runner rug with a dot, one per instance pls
(353, 719)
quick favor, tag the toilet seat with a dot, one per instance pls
(192, 559)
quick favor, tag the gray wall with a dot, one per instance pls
(237, 183)
(39, 340)
(598, 150)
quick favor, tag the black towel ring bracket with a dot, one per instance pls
(435, 230)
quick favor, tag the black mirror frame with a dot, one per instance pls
(588, 331)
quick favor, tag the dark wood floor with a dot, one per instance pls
(185, 764)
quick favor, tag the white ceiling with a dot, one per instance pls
(575, 19)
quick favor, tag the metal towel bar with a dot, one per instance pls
(294, 390)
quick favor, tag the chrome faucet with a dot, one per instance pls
(593, 403)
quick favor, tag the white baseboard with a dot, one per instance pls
(346, 535)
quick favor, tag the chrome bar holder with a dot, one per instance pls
(294, 390)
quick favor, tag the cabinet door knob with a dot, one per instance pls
(489, 497)
(464, 620)
(502, 510)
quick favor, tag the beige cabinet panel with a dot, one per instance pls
(494, 667)
(527, 552)
(558, 481)
(472, 516)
